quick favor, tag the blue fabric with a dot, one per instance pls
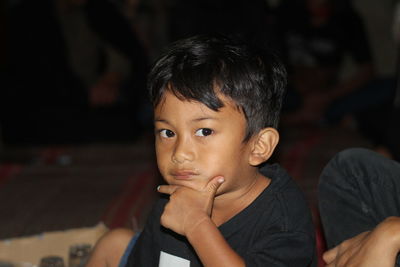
(376, 94)
(128, 250)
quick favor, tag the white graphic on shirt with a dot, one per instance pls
(168, 260)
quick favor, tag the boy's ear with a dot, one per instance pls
(263, 145)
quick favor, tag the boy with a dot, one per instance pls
(216, 108)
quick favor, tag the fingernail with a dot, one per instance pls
(221, 180)
(158, 188)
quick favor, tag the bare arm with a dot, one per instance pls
(110, 248)
(378, 247)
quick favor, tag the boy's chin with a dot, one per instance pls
(192, 184)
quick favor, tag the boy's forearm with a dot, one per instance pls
(211, 246)
(378, 247)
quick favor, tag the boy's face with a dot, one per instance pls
(195, 144)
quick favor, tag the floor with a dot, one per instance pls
(61, 187)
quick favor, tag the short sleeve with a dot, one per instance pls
(282, 249)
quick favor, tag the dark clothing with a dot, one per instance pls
(46, 99)
(372, 102)
(325, 45)
(358, 189)
(275, 230)
(39, 64)
(248, 19)
(315, 53)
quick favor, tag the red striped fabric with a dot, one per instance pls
(137, 195)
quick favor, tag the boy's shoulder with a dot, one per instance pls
(283, 197)
(280, 178)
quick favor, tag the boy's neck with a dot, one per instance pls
(226, 207)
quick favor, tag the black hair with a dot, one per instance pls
(200, 67)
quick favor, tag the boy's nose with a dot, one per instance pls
(183, 151)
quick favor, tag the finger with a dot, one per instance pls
(214, 184)
(330, 255)
(167, 189)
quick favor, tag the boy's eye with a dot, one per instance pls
(203, 132)
(166, 133)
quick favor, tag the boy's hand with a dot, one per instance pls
(187, 207)
(106, 91)
(378, 247)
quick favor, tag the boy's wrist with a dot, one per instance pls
(195, 227)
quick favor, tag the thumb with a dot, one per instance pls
(214, 184)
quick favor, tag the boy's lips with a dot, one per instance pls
(183, 175)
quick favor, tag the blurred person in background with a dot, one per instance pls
(317, 36)
(318, 39)
(76, 73)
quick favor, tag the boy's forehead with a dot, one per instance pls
(169, 100)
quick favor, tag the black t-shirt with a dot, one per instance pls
(275, 230)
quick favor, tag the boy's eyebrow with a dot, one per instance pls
(204, 118)
(194, 120)
(161, 120)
